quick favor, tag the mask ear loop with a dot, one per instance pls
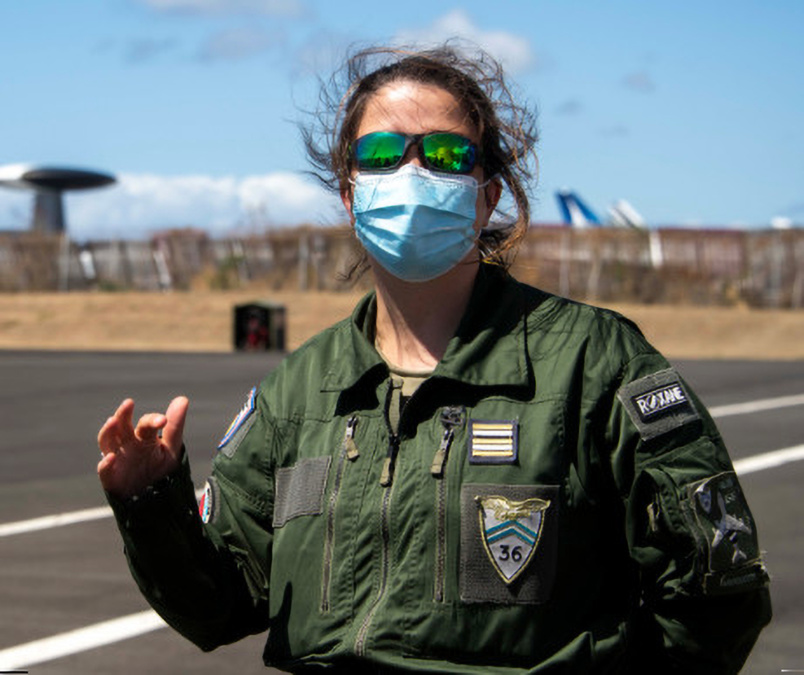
(488, 182)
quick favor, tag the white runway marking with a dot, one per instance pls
(756, 406)
(768, 460)
(80, 640)
(57, 520)
(126, 627)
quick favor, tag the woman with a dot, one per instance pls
(469, 474)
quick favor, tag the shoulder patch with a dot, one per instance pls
(240, 425)
(657, 403)
(726, 535)
(208, 505)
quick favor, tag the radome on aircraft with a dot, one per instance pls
(48, 183)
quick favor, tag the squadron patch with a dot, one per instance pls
(511, 531)
(493, 442)
(726, 534)
(240, 425)
(657, 403)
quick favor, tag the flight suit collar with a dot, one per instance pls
(488, 349)
(359, 357)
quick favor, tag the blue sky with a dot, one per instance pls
(692, 111)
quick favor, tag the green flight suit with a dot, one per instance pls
(556, 500)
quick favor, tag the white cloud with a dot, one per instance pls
(513, 51)
(15, 209)
(266, 7)
(140, 204)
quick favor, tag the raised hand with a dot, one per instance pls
(136, 457)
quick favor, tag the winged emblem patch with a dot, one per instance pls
(511, 531)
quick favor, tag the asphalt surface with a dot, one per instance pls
(69, 577)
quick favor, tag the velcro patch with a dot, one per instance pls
(299, 489)
(657, 403)
(240, 425)
(493, 442)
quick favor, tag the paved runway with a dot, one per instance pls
(69, 577)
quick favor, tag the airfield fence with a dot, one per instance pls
(667, 265)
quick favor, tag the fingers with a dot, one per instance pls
(105, 467)
(173, 433)
(125, 413)
(117, 430)
(148, 427)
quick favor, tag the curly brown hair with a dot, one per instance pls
(507, 129)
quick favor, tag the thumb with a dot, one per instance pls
(173, 433)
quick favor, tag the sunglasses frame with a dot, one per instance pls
(418, 141)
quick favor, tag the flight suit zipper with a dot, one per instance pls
(348, 451)
(385, 541)
(450, 419)
(386, 481)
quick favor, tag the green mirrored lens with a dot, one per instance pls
(381, 150)
(450, 153)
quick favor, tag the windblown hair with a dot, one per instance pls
(507, 129)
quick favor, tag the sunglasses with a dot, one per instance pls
(445, 152)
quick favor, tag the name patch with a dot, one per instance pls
(657, 403)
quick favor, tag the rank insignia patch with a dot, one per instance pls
(657, 403)
(240, 424)
(493, 442)
(511, 531)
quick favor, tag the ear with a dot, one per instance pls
(493, 193)
(346, 198)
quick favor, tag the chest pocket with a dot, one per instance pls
(508, 543)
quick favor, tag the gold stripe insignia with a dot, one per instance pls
(493, 441)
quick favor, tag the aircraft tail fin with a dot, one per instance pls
(574, 211)
(624, 215)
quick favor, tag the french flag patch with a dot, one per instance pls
(240, 419)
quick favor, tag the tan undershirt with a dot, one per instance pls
(404, 383)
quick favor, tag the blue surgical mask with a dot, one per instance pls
(415, 223)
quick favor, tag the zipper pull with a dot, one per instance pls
(349, 446)
(440, 459)
(450, 418)
(387, 475)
